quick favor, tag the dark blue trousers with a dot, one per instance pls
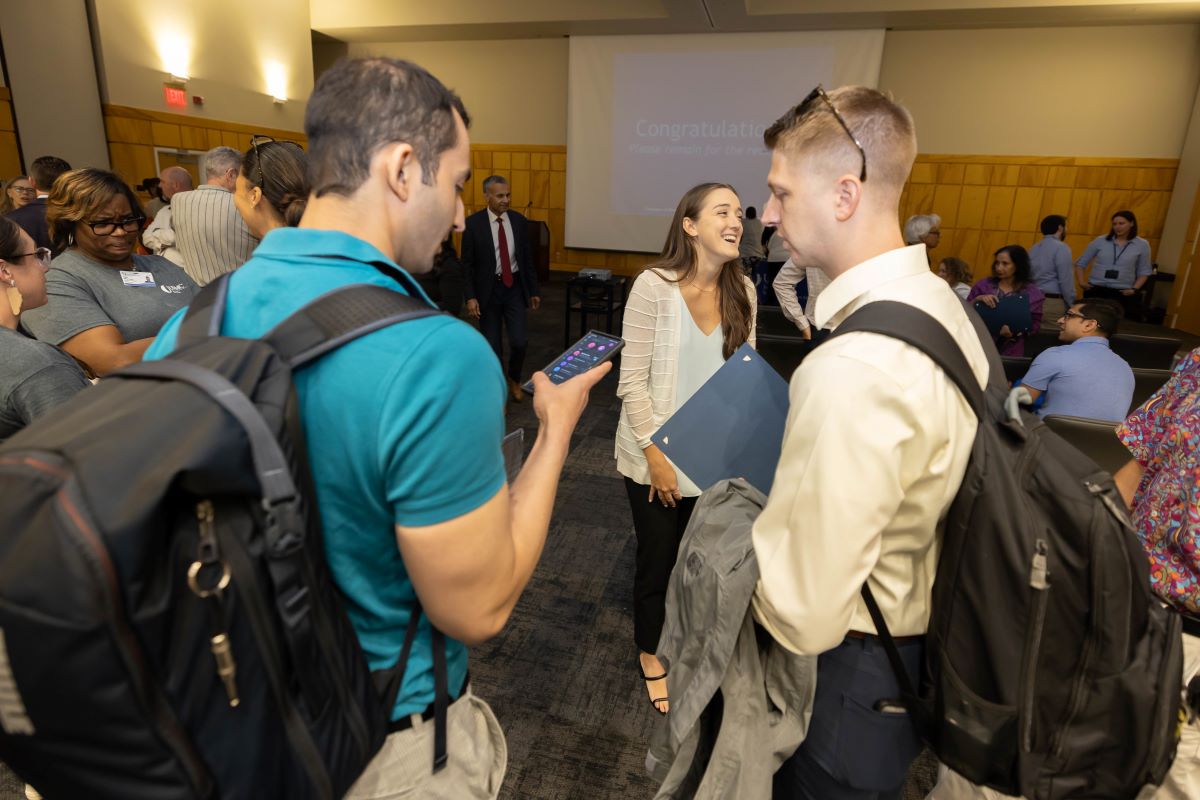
(856, 747)
(505, 308)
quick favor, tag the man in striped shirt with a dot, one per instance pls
(209, 232)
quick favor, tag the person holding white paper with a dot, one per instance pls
(687, 313)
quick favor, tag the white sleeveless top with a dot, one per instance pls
(700, 357)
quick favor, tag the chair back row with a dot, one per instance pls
(1142, 352)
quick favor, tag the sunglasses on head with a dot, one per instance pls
(804, 107)
(261, 139)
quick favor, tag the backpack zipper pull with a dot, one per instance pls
(209, 554)
(1037, 571)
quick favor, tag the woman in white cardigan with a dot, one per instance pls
(686, 314)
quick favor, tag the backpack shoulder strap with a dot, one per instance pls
(204, 314)
(340, 316)
(915, 327)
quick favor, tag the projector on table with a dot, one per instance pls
(595, 274)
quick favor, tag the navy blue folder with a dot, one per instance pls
(1013, 310)
(732, 427)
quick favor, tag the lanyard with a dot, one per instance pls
(1117, 255)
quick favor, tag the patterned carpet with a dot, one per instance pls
(562, 676)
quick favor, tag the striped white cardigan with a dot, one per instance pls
(647, 387)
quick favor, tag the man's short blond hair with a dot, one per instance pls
(882, 126)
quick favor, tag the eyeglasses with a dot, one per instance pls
(260, 139)
(820, 92)
(1073, 315)
(42, 254)
(23, 189)
(107, 227)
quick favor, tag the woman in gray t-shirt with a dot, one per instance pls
(106, 304)
(34, 376)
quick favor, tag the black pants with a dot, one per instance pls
(659, 531)
(1132, 304)
(506, 308)
(857, 746)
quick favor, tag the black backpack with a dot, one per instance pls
(1051, 671)
(169, 628)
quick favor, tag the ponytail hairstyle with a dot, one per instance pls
(280, 170)
(679, 258)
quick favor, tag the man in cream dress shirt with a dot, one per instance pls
(876, 445)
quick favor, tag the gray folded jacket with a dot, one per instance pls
(731, 747)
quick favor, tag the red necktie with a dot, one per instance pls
(505, 266)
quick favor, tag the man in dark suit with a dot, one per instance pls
(501, 277)
(43, 172)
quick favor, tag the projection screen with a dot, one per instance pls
(650, 116)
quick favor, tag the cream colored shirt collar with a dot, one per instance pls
(846, 293)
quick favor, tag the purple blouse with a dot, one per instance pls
(1016, 346)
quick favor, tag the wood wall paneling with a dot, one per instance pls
(988, 201)
(985, 201)
(1183, 310)
(10, 155)
(134, 133)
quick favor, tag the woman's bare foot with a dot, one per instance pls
(655, 676)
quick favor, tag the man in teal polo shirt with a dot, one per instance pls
(404, 425)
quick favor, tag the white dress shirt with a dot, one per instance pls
(876, 445)
(159, 237)
(508, 233)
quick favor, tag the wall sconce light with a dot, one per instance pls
(175, 52)
(276, 75)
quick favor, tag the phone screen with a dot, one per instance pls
(592, 349)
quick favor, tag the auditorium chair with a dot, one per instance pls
(783, 353)
(1146, 352)
(1015, 367)
(1146, 382)
(1096, 439)
(1041, 341)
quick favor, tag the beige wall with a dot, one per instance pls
(54, 99)
(227, 48)
(1100, 92)
(1029, 92)
(516, 90)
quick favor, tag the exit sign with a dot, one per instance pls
(175, 95)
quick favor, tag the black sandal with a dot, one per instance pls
(654, 701)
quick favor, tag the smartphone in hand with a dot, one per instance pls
(592, 350)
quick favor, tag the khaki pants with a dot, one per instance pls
(1052, 311)
(1182, 781)
(477, 759)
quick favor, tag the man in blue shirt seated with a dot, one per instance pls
(404, 425)
(1084, 378)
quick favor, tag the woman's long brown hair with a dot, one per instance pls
(679, 257)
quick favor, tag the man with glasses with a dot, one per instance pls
(877, 442)
(209, 232)
(43, 172)
(1083, 378)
